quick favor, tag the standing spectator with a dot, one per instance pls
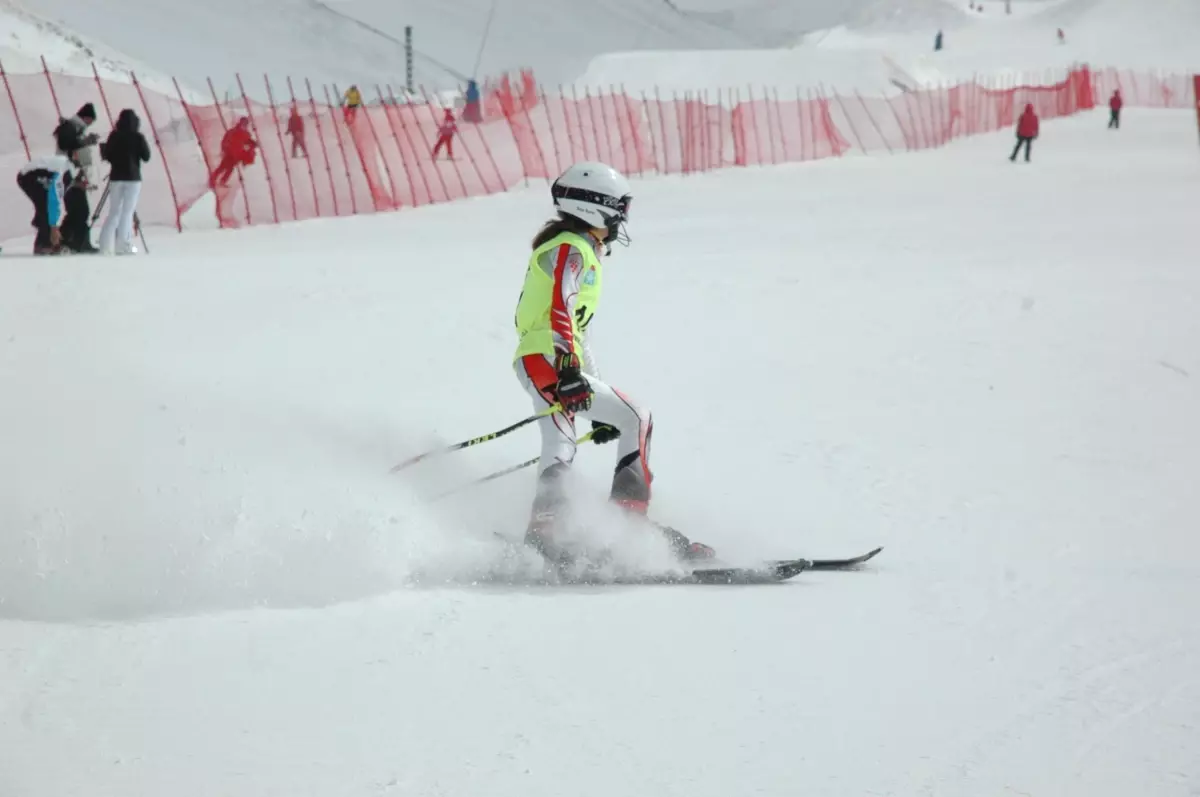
(446, 133)
(295, 130)
(471, 111)
(126, 149)
(1115, 104)
(44, 180)
(1027, 131)
(238, 148)
(72, 140)
(351, 101)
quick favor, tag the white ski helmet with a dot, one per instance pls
(596, 194)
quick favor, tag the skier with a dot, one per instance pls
(1027, 131)
(126, 149)
(446, 132)
(554, 362)
(351, 102)
(1115, 104)
(295, 129)
(238, 148)
(44, 180)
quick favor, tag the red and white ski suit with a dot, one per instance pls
(632, 475)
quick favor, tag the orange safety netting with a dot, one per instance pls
(314, 158)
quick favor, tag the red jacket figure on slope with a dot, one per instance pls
(237, 149)
(446, 131)
(1027, 131)
(1115, 104)
(295, 130)
(554, 363)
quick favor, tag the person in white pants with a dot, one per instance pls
(126, 150)
(554, 362)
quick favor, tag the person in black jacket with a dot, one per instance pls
(72, 140)
(126, 150)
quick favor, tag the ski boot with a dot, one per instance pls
(684, 549)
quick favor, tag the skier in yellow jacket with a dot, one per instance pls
(554, 361)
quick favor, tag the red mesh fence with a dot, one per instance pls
(313, 158)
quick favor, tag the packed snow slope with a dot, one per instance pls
(989, 368)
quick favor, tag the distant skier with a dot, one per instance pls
(351, 102)
(1027, 131)
(295, 131)
(44, 180)
(238, 148)
(126, 149)
(937, 42)
(446, 132)
(1062, 36)
(1115, 104)
(554, 362)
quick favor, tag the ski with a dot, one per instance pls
(844, 564)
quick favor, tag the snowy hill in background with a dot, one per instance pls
(361, 40)
(889, 42)
(870, 45)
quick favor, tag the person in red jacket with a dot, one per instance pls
(1115, 104)
(295, 131)
(446, 132)
(1027, 131)
(237, 149)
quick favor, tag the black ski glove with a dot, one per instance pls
(574, 392)
(604, 433)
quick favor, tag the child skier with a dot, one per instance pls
(554, 362)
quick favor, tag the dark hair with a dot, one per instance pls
(555, 227)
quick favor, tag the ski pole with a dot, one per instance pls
(477, 440)
(137, 225)
(510, 469)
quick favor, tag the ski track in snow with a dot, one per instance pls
(204, 562)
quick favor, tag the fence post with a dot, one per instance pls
(579, 118)
(408, 58)
(722, 112)
(53, 93)
(16, 114)
(387, 168)
(662, 129)
(161, 154)
(237, 169)
(874, 123)
(753, 118)
(312, 177)
(196, 132)
(312, 105)
(1196, 96)
(414, 149)
(392, 114)
(558, 167)
(287, 167)
(258, 137)
(338, 135)
(103, 96)
(562, 95)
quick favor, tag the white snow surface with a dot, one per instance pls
(989, 368)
